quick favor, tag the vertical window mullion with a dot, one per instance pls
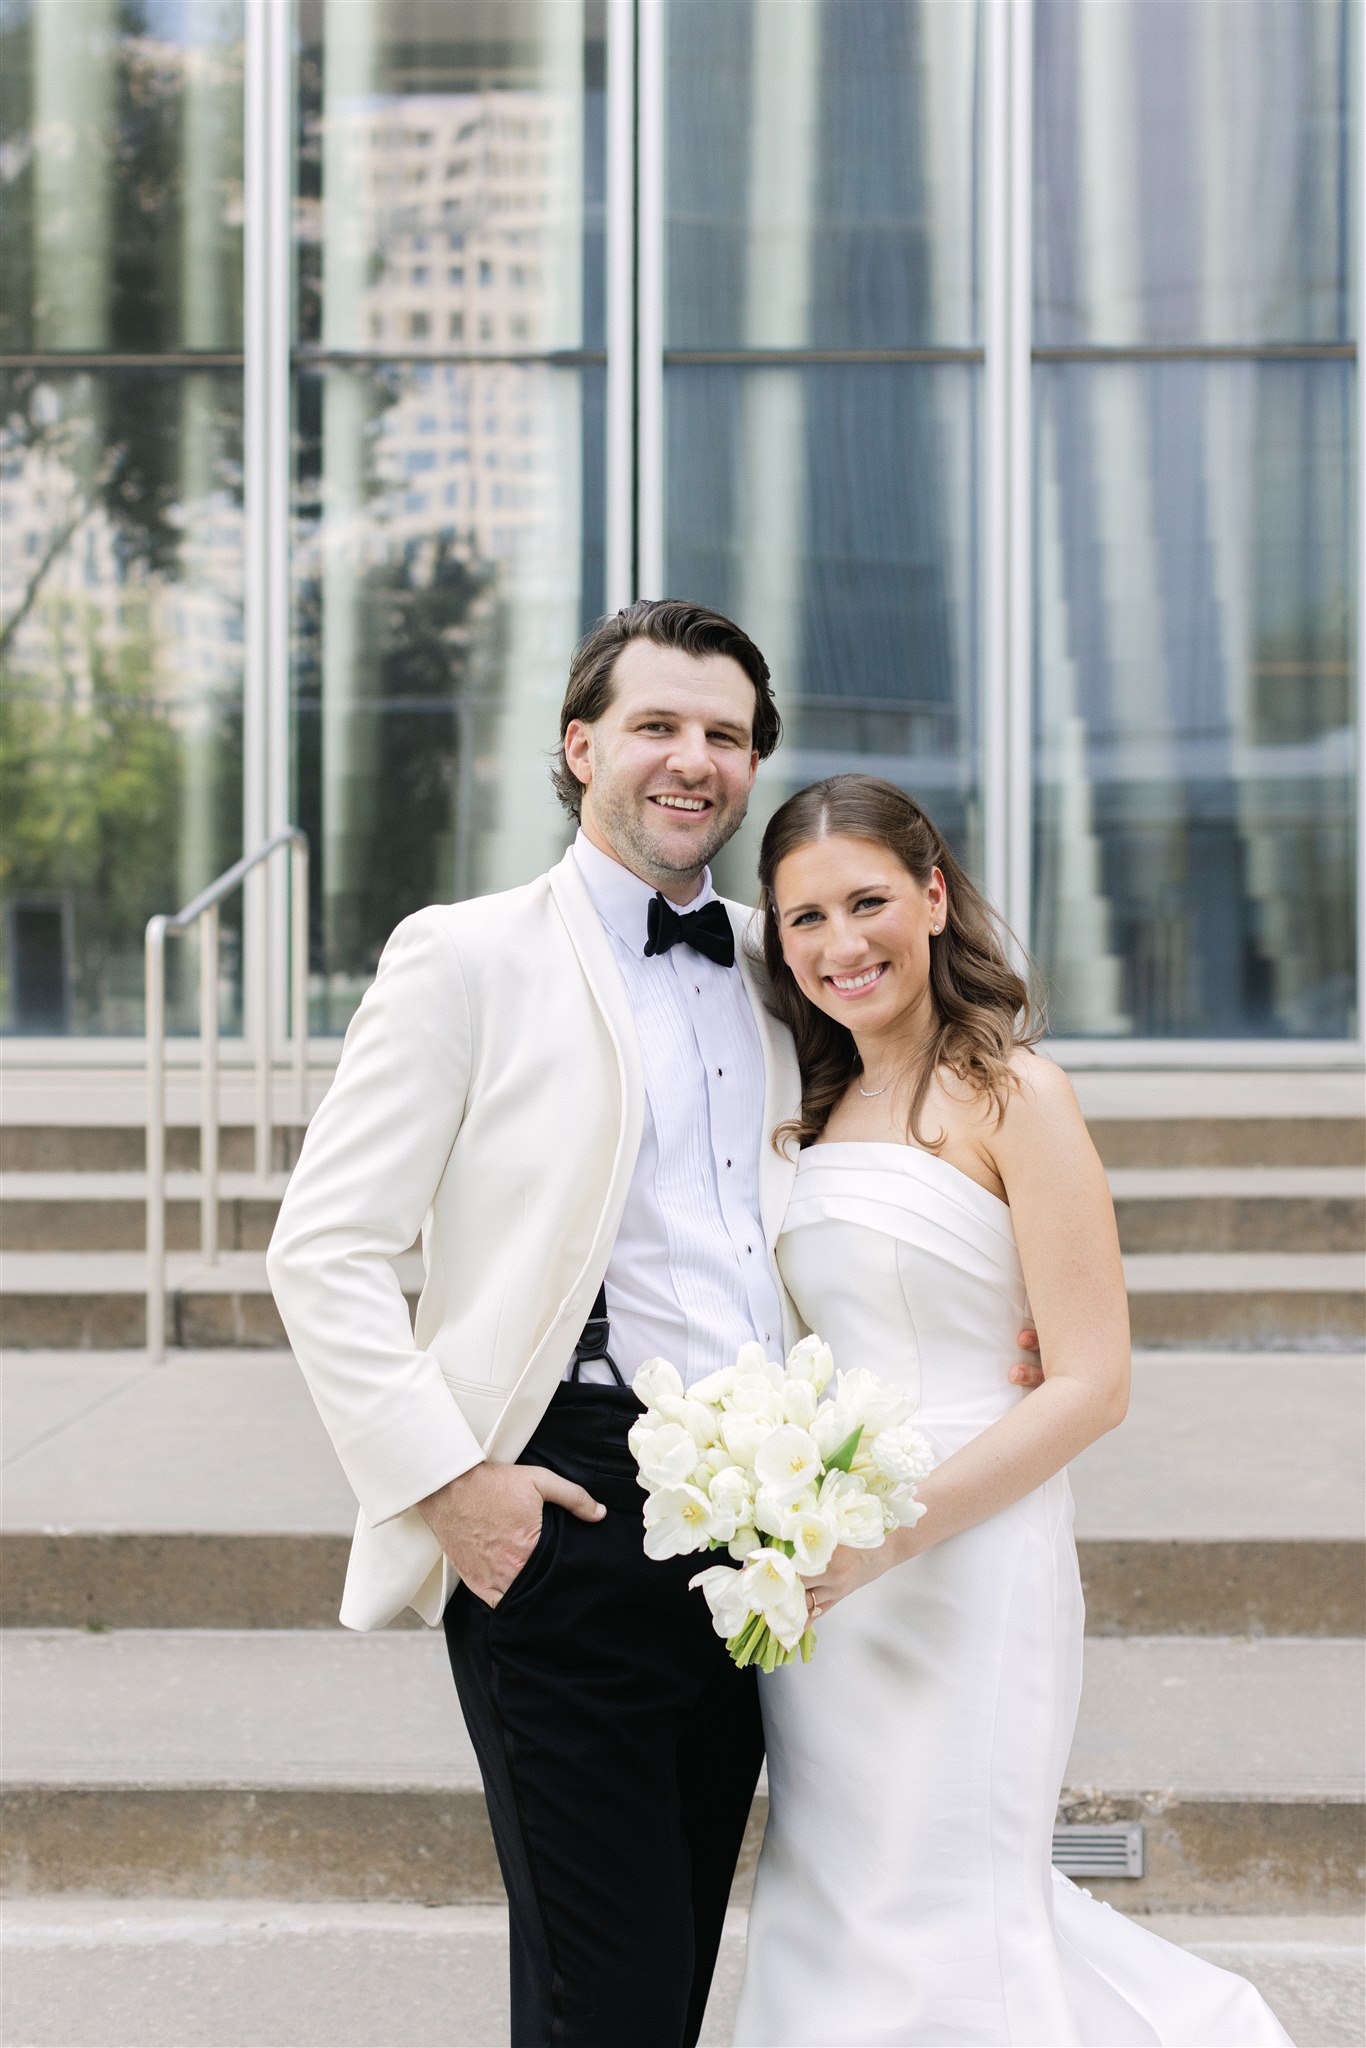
(650, 299)
(1357, 28)
(257, 199)
(995, 681)
(265, 490)
(621, 313)
(1018, 900)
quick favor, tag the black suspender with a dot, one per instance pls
(597, 1333)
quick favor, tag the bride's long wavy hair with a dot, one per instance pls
(983, 1009)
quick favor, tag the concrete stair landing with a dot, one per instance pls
(226, 1820)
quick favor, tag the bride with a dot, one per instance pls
(905, 1892)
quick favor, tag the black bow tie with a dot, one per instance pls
(707, 929)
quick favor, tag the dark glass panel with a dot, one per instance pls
(1195, 689)
(821, 174)
(832, 510)
(1194, 166)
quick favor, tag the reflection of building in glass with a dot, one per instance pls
(829, 465)
(461, 191)
(450, 228)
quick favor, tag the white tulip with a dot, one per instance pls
(857, 1513)
(755, 1394)
(774, 1589)
(726, 1597)
(813, 1533)
(743, 1435)
(772, 1508)
(901, 1509)
(799, 1403)
(665, 1452)
(830, 1428)
(751, 1357)
(788, 1460)
(877, 1404)
(715, 1388)
(745, 1542)
(677, 1521)
(654, 1379)
(811, 1360)
(696, 1416)
(730, 1487)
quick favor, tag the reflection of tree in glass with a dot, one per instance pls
(171, 122)
(101, 720)
(115, 448)
(90, 795)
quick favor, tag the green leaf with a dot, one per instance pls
(843, 1458)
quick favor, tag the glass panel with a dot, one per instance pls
(1194, 171)
(821, 182)
(1195, 789)
(121, 174)
(448, 554)
(120, 681)
(451, 175)
(832, 510)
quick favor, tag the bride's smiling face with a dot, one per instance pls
(856, 932)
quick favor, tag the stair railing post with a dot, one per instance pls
(298, 930)
(260, 975)
(155, 984)
(208, 1084)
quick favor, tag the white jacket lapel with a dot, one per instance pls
(594, 949)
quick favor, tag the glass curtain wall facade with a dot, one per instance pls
(121, 591)
(996, 367)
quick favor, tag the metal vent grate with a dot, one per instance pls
(1096, 1851)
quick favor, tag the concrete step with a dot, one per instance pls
(1272, 1301)
(72, 1300)
(41, 1212)
(121, 1147)
(90, 1118)
(1179, 1209)
(205, 1493)
(1164, 1117)
(385, 1976)
(1267, 1301)
(1242, 1141)
(333, 1766)
(1241, 1209)
(374, 1976)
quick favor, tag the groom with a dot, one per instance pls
(569, 1089)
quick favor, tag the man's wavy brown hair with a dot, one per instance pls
(983, 1008)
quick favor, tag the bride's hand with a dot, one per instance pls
(849, 1569)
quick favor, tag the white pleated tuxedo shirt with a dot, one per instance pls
(689, 1278)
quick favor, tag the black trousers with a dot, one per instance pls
(619, 1748)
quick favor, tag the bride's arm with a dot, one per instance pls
(1069, 1247)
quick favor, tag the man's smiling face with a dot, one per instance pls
(668, 768)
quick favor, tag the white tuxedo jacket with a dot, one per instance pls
(489, 1094)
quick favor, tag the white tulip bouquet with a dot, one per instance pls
(752, 1460)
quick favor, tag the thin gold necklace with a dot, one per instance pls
(869, 1093)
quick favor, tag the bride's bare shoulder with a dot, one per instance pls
(1041, 1103)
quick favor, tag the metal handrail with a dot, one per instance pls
(203, 911)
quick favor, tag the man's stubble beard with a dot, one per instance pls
(627, 832)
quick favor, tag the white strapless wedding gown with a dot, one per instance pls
(905, 1892)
